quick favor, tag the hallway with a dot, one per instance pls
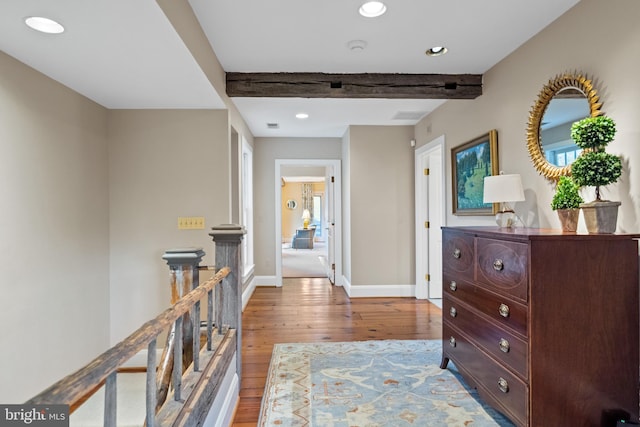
(312, 310)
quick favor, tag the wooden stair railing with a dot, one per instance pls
(195, 387)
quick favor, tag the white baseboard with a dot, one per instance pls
(366, 291)
(248, 292)
(265, 280)
(223, 407)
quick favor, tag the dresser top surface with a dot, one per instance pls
(522, 233)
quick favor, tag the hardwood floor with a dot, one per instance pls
(312, 310)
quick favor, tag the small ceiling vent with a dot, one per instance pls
(273, 126)
(409, 115)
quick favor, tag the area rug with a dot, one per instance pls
(366, 384)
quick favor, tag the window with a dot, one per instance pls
(246, 196)
(317, 214)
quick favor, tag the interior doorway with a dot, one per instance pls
(430, 216)
(324, 212)
(304, 222)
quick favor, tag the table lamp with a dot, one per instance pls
(504, 189)
(306, 217)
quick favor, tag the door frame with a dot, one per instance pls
(424, 202)
(335, 166)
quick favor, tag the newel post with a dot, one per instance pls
(227, 238)
(184, 338)
(183, 264)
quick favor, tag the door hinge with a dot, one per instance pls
(333, 266)
(426, 224)
(426, 171)
(427, 277)
(333, 179)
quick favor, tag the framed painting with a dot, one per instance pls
(471, 162)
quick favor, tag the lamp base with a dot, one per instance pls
(305, 223)
(506, 219)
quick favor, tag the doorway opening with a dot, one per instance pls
(304, 222)
(308, 230)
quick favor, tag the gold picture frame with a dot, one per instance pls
(470, 163)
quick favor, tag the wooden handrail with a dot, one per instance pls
(72, 388)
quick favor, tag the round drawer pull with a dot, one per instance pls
(503, 385)
(452, 342)
(453, 312)
(504, 310)
(498, 265)
(453, 286)
(457, 253)
(504, 345)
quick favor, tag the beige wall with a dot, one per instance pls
(163, 164)
(597, 38)
(266, 151)
(54, 225)
(381, 200)
(291, 218)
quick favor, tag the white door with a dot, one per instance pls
(331, 225)
(430, 217)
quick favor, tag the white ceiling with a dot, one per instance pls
(125, 53)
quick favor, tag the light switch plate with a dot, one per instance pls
(190, 223)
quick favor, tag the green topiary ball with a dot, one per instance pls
(593, 132)
(596, 168)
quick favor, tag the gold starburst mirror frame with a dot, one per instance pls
(567, 85)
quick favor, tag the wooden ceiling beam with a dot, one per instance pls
(323, 85)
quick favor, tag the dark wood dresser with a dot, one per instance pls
(544, 324)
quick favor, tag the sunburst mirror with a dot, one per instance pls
(564, 100)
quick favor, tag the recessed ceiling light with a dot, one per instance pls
(302, 116)
(44, 25)
(436, 51)
(372, 9)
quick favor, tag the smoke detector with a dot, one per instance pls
(357, 45)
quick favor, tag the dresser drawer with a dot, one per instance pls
(503, 345)
(494, 383)
(457, 253)
(502, 266)
(499, 308)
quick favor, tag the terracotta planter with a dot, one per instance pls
(601, 217)
(569, 219)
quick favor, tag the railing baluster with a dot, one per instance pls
(209, 319)
(151, 383)
(177, 361)
(110, 400)
(196, 336)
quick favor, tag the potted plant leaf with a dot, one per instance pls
(596, 168)
(566, 201)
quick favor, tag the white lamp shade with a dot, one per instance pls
(503, 188)
(306, 214)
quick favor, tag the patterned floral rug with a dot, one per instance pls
(367, 384)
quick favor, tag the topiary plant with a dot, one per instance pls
(567, 195)
(593, 132)
(594, 167)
